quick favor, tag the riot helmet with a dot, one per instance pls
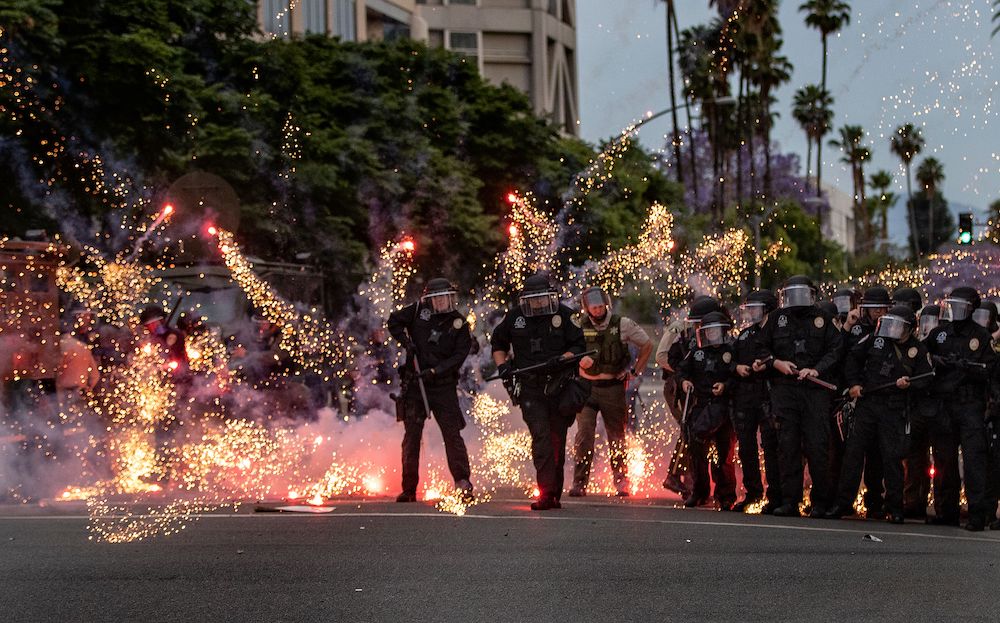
(713, 330)
(959, 305)
(798, 291)
(700, 307)
(845, 299)
(930, 318)
(986, 316)
(439, 296)
(897, 324)
(538, 297)
(909, 296)
(151, 314)
(875, 303)
(758, 305)
(596, 303)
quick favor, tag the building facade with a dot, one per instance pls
(529, 44)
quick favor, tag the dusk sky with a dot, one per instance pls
(929, 62)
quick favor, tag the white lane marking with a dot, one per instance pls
(679, 522)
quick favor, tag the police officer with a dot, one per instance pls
(846, 301)
(963, 360)
(540, 330)
(752, 409)
(705, 374)
(875, 303)
(609, 372)
(917, 487)
(799, 342)
(910, 297)
(438, 340)
(669, 358)
(879, 371)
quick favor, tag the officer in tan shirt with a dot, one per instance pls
(609, 372)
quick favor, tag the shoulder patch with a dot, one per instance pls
(573, 319)
(912, 353)
(974, 344)
(520, 322)
(557, 321)
(819, 322)
(782, 320)
(425, 314)
(727, 357)
(457, 323)
(856, 330)
(879, 343)
(699, 355)
(941, 337)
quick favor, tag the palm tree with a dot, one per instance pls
(673, 88)
(880, 181)
(930, 173)
(811, 108)
(996, 18)
(855, 155)
(828, 17)
(906, 143)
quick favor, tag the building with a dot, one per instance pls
(529, 44)
(839, 223)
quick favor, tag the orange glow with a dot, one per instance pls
(212, 230)
(316, 500)
(535, 492)
(167, 210)
(293, 495)
(512, 230)
(512, 197)
(408, 245)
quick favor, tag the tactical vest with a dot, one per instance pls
(612, 355)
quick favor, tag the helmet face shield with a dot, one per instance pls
(752, 313)
(440, 302)
(596, 303)
(892, 327)
(928, 323)
(539, 303)
(957, 310)
(712, 334)
(844, 303)
(982, 317)
(796, 296)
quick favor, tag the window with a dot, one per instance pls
(276, 17)
(343, 20)
(472, 2)
(464, 43)
(314, 16)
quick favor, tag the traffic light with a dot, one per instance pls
(965, 228)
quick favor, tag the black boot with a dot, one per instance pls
(838, 511)
(544, 504)
(897, 518)
(406, 496)
(787, 510)
(976, 524)
(944, 520)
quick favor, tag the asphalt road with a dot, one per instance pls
(595, 560)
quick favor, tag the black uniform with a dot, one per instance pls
(441, 342)
(874, 487)
(536, 340)
(882, 416)
(806, 337)
(704, 367)
(960, 394)
(752, 412)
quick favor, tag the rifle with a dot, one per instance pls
(553, 363)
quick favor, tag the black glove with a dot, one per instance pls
(429, 373)
(505, 370)
(555, 362)
(941, 362)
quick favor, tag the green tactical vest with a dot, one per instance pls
(612, 355)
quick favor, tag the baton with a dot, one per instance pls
(816, 381)
(879, 388)
(420, 379)
(684, 413)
